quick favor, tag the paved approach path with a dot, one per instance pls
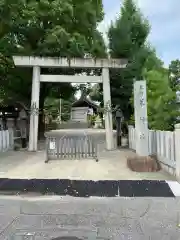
(44, 218)
(111, 166)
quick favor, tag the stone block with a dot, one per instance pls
(143, 163)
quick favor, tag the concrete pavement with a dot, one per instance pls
(112, 165)
(93, 218)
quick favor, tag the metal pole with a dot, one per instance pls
(118, 129)
(119, 116)
(60, 110)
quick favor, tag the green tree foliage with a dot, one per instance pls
(96, 93)
(162, 110)
(174, 75)
(161, 98)
(55, 28)
(127, 37)
(52, 107)
(9, 13)
(152, 62)
(50, 28)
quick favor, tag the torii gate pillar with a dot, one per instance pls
(107, 114)
(34, 115)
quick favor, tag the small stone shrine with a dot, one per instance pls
(81, 108)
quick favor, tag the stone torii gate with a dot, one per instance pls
(46, 62)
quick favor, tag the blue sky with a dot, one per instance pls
(164, 18)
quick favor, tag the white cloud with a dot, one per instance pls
(165, 21)
(163, 17)
(104, 25)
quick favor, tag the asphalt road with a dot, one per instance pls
(45, 218)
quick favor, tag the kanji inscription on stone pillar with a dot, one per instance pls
(141, 122)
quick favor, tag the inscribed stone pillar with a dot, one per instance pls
(177, 152)
(141, 121)
(34, 114)
(107, 114)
